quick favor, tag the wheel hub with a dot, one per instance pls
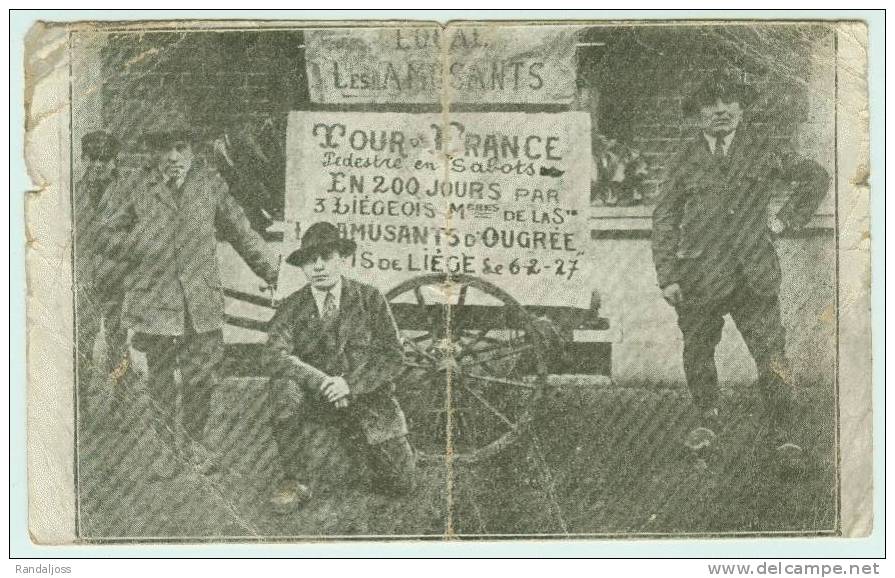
(447, 354)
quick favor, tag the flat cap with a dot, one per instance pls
(164, 139)
(721, 85)
(320, 239)
(99, 145)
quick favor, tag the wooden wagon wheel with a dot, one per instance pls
(474, 365)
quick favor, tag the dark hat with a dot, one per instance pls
(164, 139)
(721, 85)
(320, 239)
(99, 146)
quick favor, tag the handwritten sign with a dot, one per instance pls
(493, 64)
(497, 195)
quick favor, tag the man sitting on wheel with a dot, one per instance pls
(334, 351)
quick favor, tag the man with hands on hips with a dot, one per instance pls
(714, 254)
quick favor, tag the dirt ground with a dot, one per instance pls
(596, 460)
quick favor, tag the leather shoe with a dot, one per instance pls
(289, 496)
(702, 437)
(789, 458)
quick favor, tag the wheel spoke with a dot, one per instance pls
(413, 348)
(418, 293)
(461, 298)
(421, 302)
(439, 322)
(456, 312)
(498, 356)
(496, 345)
(481, 399)
(500, 381)
(482, 337)
(463, 386)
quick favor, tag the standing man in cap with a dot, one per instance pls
(714, 252)
(99, 286)
(175, 303)
(334, 351)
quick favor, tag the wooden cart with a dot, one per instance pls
(476, 360)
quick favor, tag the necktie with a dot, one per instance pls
(719, 147)
(330, 335)
(175, 190)
(329, 307)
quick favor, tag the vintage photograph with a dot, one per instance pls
(465, 281)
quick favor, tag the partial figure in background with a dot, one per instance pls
(618, 172)
(714, 253)
(334, 353)
(175, 305)
(102, 354)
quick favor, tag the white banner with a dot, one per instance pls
(501, 196)
(482, 64)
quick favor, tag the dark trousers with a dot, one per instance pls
(198, 356)
(310, 432)
(758, 319)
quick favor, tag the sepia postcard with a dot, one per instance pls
(301, 281)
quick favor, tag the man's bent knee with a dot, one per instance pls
(285, 398)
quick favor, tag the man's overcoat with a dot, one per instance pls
(169, 239)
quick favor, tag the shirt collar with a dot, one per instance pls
(320, 295)
(727, 139)
(178, 182)
(158, 177)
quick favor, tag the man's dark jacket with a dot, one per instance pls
(171, 249)
(94, 267)
(361, 345)
(710, 226)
